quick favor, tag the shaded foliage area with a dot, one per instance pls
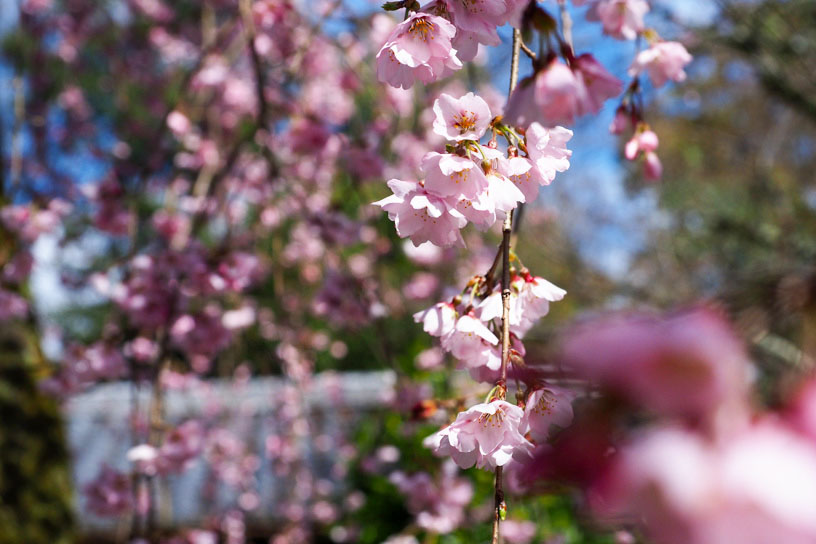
(35, 487)
(740, 157)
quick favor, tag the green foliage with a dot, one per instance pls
(35, 487)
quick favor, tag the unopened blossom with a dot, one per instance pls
(449, 175)
(419, 48)
(663, 61)
(464, 118)
(620, 121)
(621, 19)
(423, 216)
(652, 167)
(645, 141)
(547, 405)
(486, 435)
(595, 84)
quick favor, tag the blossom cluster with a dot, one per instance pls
(435, 41)
(492, 434)
(464, 326)
(472, 182)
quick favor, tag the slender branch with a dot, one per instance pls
(507, 229)
(16, 133)
(529, 52)
(260, 78)
(514, 61)
(566, 24)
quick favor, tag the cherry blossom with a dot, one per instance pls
(464, 118)
(479, 16)
(486, 435)
(547, 149)
(663, 61)
(547, 405)
(110, 493)
(645, 141)
(12, 306)
(688, 365)
(423, 216)
(549, 97)
(530, 298)
(595, 84)
(438, 504)
(438, 320)
(756, 488)
(419, 48)
(469, 339)
(621, 19)
(448, 175)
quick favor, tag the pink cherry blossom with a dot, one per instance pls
(12, 306)
(110, 493)
(466, 42)
(518, 532)
(423, 216)
(18, 268)
(486, 435)
(439, 320)
(549, 97)
(448, 175)
(181, 447)
(620, 121)
(663, 61)
(465, 118)
(758, 487)
(530, 298)
(469, 338)
(595, 84)
(685, 365)
(100, 361)
(645, 140)
(479, 16)
(621, 19)
(652, 167)
(438, 504)
(502, 192)
(547, 149)
(524, 175)
(547, 405)
(419, 48)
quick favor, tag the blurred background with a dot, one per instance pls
(190, 260)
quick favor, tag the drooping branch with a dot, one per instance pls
(507, 229)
